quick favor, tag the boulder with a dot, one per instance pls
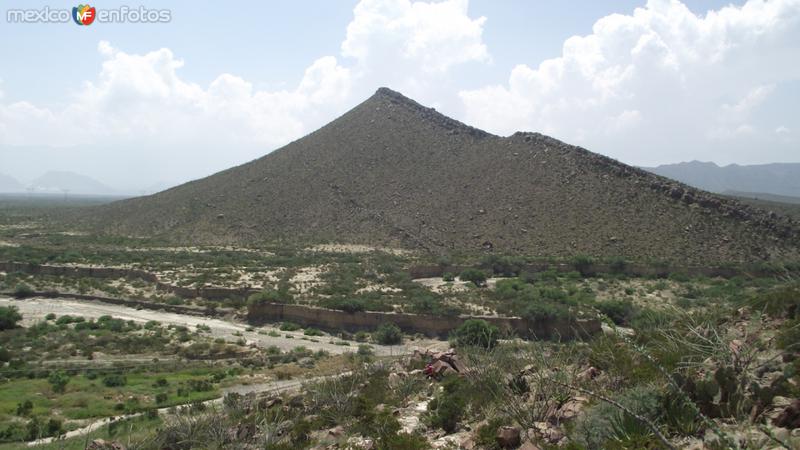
(508, 437)
(789, 417)
(102, 444)
(528, 445)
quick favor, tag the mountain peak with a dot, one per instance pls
(392, 172)
(423, 112)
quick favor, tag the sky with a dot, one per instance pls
(142, 106)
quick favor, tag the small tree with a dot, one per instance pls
(475, 333)
(388, 334)
(9, 316)
(58, 379)
(477, 277)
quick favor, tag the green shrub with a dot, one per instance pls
(22, 290)
(783, 302)
(476, 333)
(584, 265)
(447, 409)
(621, 312)
(605, 426)
(477, 277)
(115, 380)
(58, 380)
(388, 334)
(312, 332)
(281, 295)
(448, 277)
(161, 397)
(289, 326)
(9, 316)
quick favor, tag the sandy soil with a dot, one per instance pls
(35, 309)
(356, 248)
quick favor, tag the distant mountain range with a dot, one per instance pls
(57, 182)
(10, 184)
(759, 181)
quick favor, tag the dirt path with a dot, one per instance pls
(35, 309)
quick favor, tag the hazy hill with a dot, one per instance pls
(777, 178)
(10, 184)
(391, 171)
(73, 183)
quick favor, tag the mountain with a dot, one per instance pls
(778, 178)
(392, 172)
(9, 184)
(73, 183)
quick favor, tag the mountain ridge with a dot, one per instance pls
(393, 172)
(772, 178)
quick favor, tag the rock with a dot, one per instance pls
(547, 431)
(468, 443)
(337, 431)
(589, 374)
(571, 408)
(789, 417)
(296, 402)
(528, 445)
(102, 444)
(508, 437)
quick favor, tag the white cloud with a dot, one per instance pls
(140, 101)
(433, 36)
(659, 80)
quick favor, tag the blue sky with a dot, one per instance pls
(670, 82)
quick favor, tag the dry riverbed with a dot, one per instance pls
(35, 309)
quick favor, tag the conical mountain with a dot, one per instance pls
(392, 172)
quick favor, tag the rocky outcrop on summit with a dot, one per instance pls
(393, 172)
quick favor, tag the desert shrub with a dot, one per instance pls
(448, 277)
(505, 266)
(281, 295)
(5, 355)
(161, 397)
(24, 408)
(545, 311)
(475, 276)
(58, 380)
(9, 316)
(621, 312)
(788, 337)
(606, 426)
(388, 334)
(289, 326)
(115, 380)
(361, 336)
(350, 305)
(50, 316)
(312, 332)
(486, 437)
(22, 290)
(782, 302)
(475, 332)
(447, 409)
(584, 265)
(200, 385)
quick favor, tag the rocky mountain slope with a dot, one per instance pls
(392, 172)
